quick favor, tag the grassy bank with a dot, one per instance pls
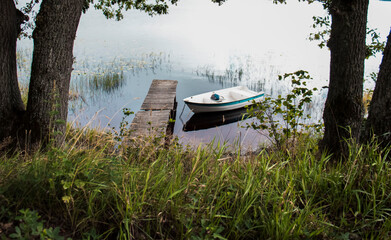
(89, 189)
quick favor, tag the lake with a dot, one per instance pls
(205, 47)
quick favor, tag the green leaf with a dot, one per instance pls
(218, 236)
(66, 184)
(176, 192)
(66, 199)
(79, 183)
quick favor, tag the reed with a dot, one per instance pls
(107, 82)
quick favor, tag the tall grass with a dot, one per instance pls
(106, 82)
(92, 189)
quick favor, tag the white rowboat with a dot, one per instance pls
(223, 100)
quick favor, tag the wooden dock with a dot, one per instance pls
(157, 110)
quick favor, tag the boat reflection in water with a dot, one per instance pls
(213, 119)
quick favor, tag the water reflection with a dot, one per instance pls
(210, 120)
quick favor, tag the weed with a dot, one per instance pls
(30, 227)
(284, 117)
(173, 192)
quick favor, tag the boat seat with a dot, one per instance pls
(237, 96)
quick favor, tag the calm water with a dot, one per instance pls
(203, 46)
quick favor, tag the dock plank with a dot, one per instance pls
(161, 95)
(150, 123)
(158, 108)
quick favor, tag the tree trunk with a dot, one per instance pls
(343, 109)
(54, 35)
(379, 116)
(11, 104)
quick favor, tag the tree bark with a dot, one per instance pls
(343, 111)
(54, 35)
(11, 104)
(379, 116)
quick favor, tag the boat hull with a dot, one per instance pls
(203, 108)
(202, 104)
